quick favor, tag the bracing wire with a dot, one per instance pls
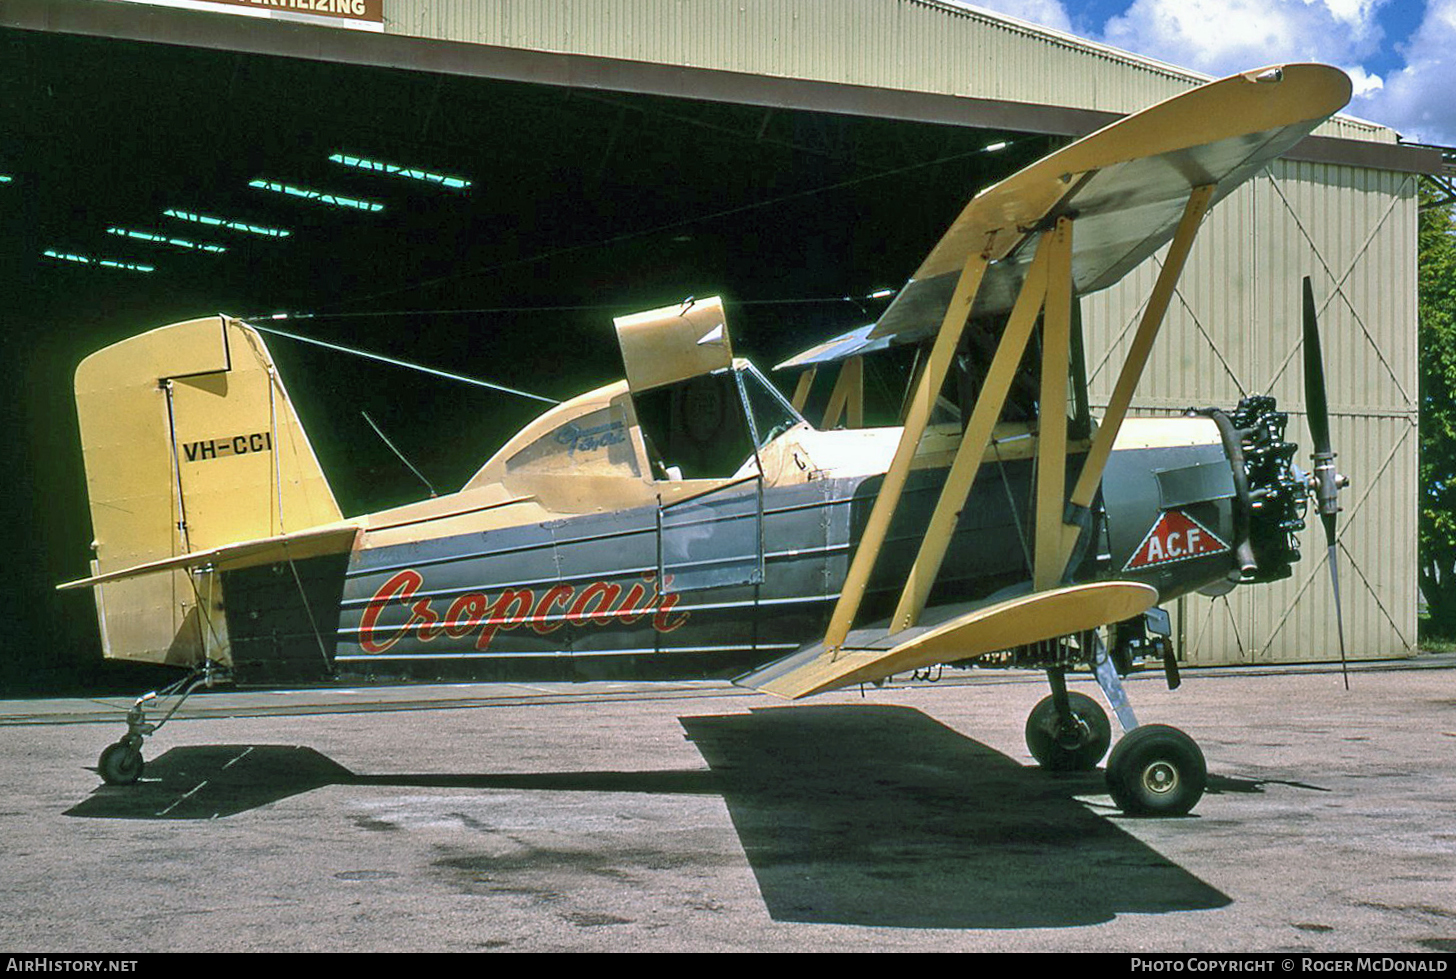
(856, 301)
(403, 363)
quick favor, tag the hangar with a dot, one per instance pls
(481, 186)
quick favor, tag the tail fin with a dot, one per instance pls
(190, 443)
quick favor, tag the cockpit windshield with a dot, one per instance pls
(770, 412)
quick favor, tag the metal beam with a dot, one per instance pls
(253, 35)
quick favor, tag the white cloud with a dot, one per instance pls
(1221, 37)
(1356, 12)
(1416, 101)
(1364, 83)
(1047, 13)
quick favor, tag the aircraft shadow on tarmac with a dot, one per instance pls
(848, 814)
(879, 815)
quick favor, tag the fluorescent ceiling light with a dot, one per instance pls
(374, 166)
(316, 195)
(252, 229)
(5, 178)
(165, 240)
(110, 263)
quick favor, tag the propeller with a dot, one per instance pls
(1324, 483)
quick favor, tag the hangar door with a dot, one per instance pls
(1234, 330)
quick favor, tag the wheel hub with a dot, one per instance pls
(1160, 777)
(1073, 735)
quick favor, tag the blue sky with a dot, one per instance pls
(1401, 54)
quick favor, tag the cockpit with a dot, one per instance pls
(713, 425)
(687, 411)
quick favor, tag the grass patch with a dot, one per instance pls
(1432, 638)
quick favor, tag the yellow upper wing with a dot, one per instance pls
(1126, 185)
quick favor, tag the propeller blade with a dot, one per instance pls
(1314, 377)
(1339, 618)
(1326, 481)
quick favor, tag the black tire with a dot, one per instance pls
(1077, 750)
(1156, 770)
(120, 764)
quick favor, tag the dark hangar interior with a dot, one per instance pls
(582, 204)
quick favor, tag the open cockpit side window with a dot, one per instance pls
(702, 414)
(696, 427)
(708, 427)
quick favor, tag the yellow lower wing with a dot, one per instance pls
(1006, 624)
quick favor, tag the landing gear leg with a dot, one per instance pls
(122, 763)
(1155, 770)
(1111, 684)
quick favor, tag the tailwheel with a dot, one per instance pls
(1156, 770)
(1074, 744)
(121, 763)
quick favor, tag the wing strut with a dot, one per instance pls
(1051, 438)
(1132, 371)
(847, 398)
(931, 379)
(801, 393)
(975, 441)
(1048, 281)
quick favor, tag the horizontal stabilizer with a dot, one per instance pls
(872, 654)
(245, 554)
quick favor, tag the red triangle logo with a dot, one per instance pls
(1175, 537)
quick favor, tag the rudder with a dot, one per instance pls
(190, 443)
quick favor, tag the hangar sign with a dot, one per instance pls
(366, 14)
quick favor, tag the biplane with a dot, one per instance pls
(689, 521)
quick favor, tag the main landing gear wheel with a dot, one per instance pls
(1156, 770)
(1068, 747)
(121, 763)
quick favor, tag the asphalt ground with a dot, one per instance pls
(698, 817)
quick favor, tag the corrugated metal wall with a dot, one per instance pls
(1234, 328)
